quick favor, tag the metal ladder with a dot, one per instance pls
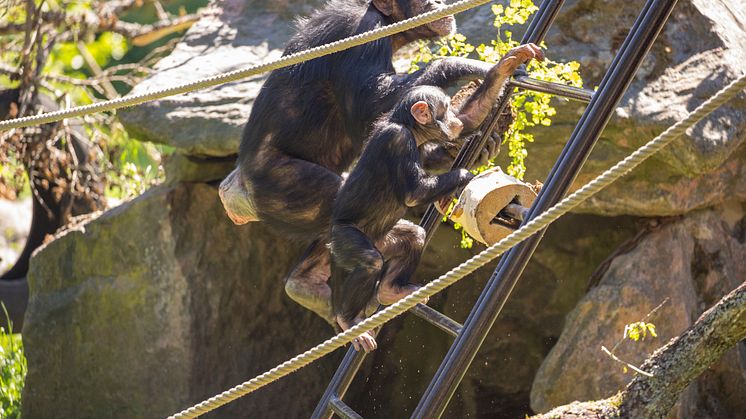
(470, 335)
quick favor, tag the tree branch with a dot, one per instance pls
(673, 366)
(141, 35)
(92, 24)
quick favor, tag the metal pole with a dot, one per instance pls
(475, 329)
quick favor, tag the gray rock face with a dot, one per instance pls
(158, 304)
(15, 220)
(231, 35)
(702, 258)
(162, 302)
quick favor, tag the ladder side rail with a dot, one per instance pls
(476, 327)
(339, 383)
(569, 92)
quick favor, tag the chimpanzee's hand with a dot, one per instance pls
(490, 149)
(465, 177)
(509, 63)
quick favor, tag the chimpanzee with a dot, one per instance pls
(370, 241)
(309, 121)
(371, 244)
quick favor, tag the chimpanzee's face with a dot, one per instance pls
(400, 10)
(442, 27)
(448, 123)
(437, 123)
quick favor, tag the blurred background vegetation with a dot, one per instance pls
(57, 54)
(79, 52)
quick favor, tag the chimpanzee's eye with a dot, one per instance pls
(442, 110)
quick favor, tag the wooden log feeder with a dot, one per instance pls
(491, 206)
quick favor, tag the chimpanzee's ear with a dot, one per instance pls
(384, 6)
(421, 112)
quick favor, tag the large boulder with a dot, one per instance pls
(230, 35)
(162, 302)
(702, 257)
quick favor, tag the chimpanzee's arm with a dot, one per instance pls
(436, 157)
(478, 105)
(444, 73)
(431, 188)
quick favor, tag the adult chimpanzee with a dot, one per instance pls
(309, 121)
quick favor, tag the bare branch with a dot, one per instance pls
(146, 34)
(625, 363)
(111, 92)
(673, 366)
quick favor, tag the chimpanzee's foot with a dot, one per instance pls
(366, 341)
(389, 294)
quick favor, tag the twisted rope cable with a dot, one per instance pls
(234, 75)
(476, 262)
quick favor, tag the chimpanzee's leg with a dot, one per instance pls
(356, 268)
(295, 197)
(307, 284)
(401, 249)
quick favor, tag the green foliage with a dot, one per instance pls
(466, 241)
(85, 66)
(532, 109)
(12, 373)
(639, 330)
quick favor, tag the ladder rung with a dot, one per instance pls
(582, 95)
(342, 410)
(437, 319)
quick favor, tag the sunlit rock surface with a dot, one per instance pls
(686, 264)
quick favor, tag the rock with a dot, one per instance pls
(230, 35)
(162, 302)
(158, 304)
(697, 54)
(689, 263)
(182, 167)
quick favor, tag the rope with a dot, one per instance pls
(230, 76)
(476, 262)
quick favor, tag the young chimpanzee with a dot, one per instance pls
(371, 244)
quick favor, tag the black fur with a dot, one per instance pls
(387, 179)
